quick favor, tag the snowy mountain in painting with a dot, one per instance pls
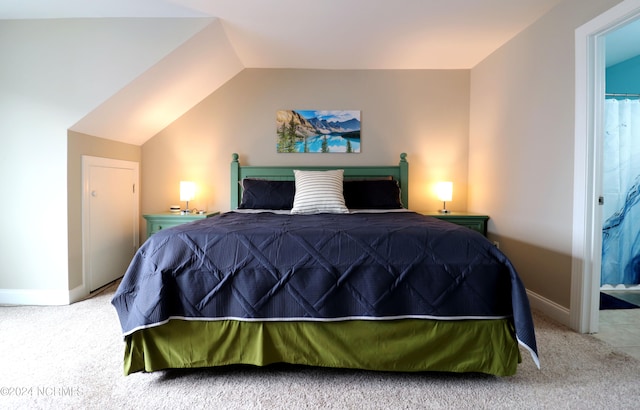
(306, 127)
(326, 127)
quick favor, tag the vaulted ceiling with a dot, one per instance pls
(332, 34)
(305, 34)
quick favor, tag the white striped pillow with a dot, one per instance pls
(319, 192)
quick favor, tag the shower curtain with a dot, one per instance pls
(621, 189)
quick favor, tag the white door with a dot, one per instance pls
(110, 219)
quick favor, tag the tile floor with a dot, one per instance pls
(621, 328)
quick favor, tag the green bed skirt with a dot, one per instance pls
(408, 345)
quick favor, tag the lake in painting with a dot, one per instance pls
(334, 143)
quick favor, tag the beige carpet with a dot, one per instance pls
(71, 357)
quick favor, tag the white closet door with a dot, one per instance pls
(110, 231)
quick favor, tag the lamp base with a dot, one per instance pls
(444, 211)
(186, 210)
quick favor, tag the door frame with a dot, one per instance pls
(88, 162)
(589, 113)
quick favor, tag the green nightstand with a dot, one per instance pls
(156, 222)
(472, 221)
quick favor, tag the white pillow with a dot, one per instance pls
(319, 192)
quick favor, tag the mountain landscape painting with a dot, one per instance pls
(318, 131)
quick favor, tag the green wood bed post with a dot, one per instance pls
(235, 187)
(404, 178)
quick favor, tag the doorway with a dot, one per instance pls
(109, 219)
(587, 219)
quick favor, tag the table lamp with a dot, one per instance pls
(444, 191)
(187, 193)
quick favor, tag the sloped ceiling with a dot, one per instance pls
(333, 34)
(165, 91)
(326, 34)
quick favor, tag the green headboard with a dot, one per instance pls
(398, 172)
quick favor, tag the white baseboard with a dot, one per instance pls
(40, 297)
(78, 293)
(555, 311)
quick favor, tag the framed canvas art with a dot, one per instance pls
(313, 131)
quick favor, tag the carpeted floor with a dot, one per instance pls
(71, 357)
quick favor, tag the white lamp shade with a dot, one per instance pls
(187, 190)
(444, 190)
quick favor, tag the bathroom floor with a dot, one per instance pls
(631, 296)
(621, 328)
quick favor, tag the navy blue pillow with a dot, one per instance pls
(267, 194)
(372, 194)
(358, 194)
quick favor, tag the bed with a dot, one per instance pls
(323, 266)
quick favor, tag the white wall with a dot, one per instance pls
(521, 146)
(54, 72)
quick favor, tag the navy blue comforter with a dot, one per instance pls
(375, 266)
